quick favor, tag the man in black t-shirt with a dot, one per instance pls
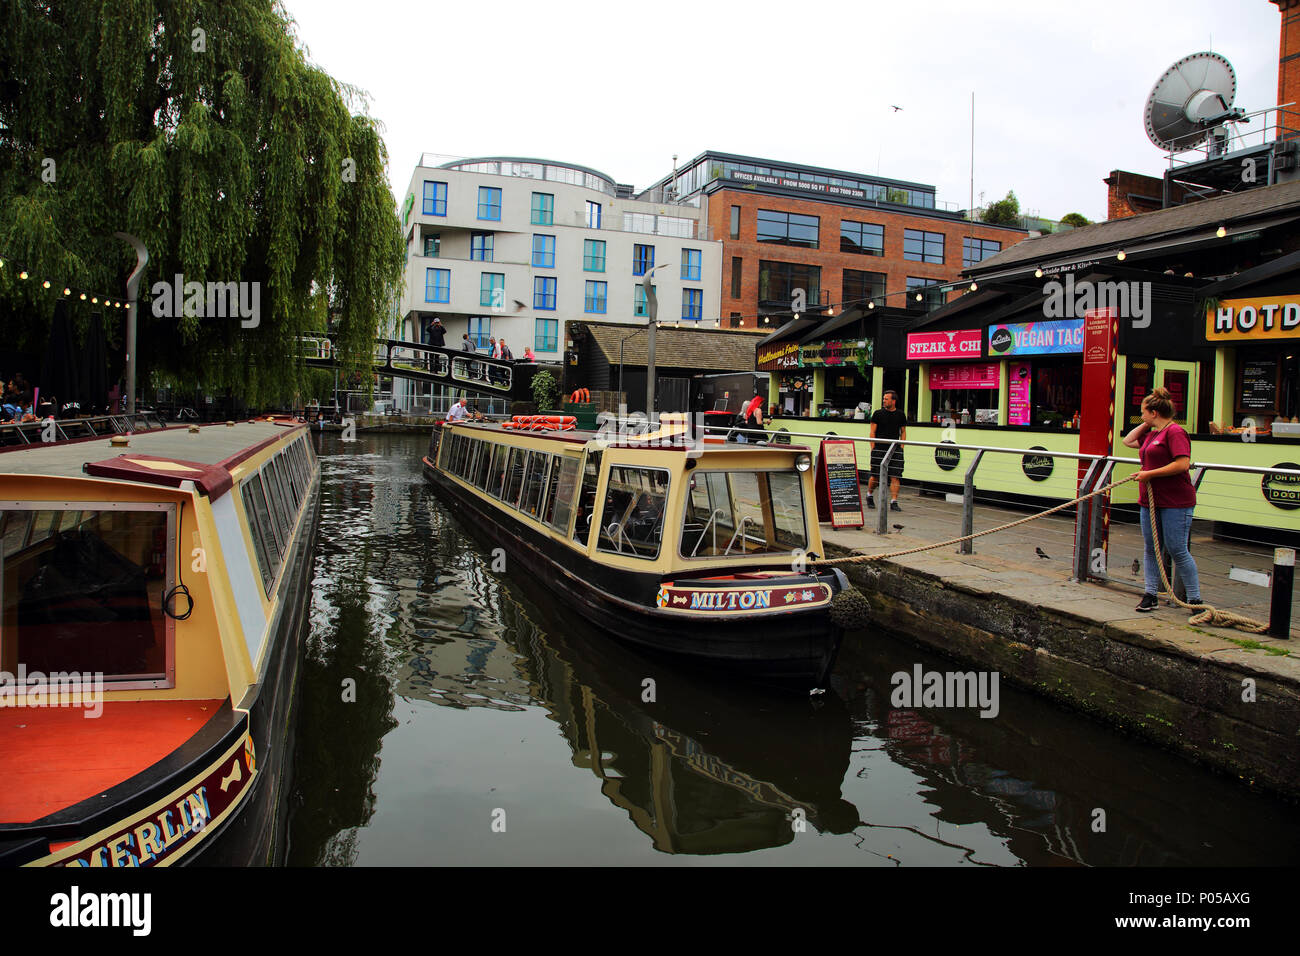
(887, 422)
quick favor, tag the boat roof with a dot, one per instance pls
(158, 457)
(651, 442)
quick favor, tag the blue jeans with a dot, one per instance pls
(1175, 529)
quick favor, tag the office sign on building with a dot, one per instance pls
(800, 184)
(1237, 320)
(959, 343)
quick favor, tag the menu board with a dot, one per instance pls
(1258, 386)
(839, 497)
(970, 375)
(1138, 386)
(1018, 407)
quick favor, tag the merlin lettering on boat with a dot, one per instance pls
(740, 600)
(158, 835)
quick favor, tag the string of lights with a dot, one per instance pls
(67, 291)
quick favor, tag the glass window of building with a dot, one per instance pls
(735, 222)
(492, 290)
(593, 215)
(859, 287)
(546, 335)
(778, 280)
(977, 250)
(787, 228)
(675, 226)
(437, 285)
(735, 276)
(594, 300)
(544, 252)
(862, 238)
(921, 246)
(643, 259)
(691, 259)
(639, 301)
(593, 255)
(692, 303)
(481, 246)
(928, 290)
(435, 199)
(734, 319)
(638, 222)
(544, 293)
(543, 209)
(489, 203)
(480, 330)
(432, 245)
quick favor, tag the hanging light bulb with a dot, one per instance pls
(67, 291)
(1120, 255)
(973, 286)
(83, 297)
(796, 316)
(918, 297)
(1038, 273)
(871, 304)
(45, 284)
(831, 310)
(23, 274)
(95, 300)
(1221, 232)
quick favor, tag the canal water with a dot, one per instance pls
(452, 714)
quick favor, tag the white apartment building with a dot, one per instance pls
(517, 249)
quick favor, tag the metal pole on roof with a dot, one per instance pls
(652, 310)
(133, 301)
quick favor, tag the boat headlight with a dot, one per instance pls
(803, 462)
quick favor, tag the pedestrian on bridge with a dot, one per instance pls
(437, 335)
(467, 344)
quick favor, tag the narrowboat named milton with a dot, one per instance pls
(697, 549)
(153, 601)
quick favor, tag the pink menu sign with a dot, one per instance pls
(961, 343)
(970, 375)
(1018, 393)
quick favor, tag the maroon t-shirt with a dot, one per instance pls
(1160, 448)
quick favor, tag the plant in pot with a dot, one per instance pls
(546, 392)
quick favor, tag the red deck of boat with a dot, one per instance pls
(53, 757)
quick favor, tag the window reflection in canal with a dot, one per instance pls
(474, 692)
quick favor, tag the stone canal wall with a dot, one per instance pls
(1186, 689)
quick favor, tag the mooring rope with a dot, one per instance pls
(1205, 614)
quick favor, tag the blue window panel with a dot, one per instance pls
(638, 299)
(593, 255)
(489, 203)
(593, 215)
(480, 330)
(437, 285)
(691, 264)
(543, 209)
(492, 290)
(482, 246)
(547, 335)
(544, 293)
(435, 199)
(544, 251)
(594, 301)
(643, 259)
(692, 303)
(432, 245)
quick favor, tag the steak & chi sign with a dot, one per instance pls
(959, 343)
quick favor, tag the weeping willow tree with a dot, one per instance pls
(200, 127)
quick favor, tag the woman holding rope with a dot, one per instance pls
(1166, 454)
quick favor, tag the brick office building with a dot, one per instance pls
(841, 237)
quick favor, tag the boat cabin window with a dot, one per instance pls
(515, 476)
(497, 474)
(482, 465)
(743, 512)
(586, 498)
(535, 483)
(81, 592)
(632, 521)
(560, 495)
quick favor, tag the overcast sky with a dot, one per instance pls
(1059, 87)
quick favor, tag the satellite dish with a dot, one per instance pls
(1191, 102)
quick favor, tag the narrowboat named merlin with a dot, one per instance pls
(699, 549)
(153, 599)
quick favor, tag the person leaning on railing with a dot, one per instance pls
(1166, 454)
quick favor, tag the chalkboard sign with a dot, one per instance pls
(839, 497)
(1258, 386)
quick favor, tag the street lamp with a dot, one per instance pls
(652, 310)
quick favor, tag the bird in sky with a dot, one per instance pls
(1040, 552)
(895, 108)
(519, 306)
